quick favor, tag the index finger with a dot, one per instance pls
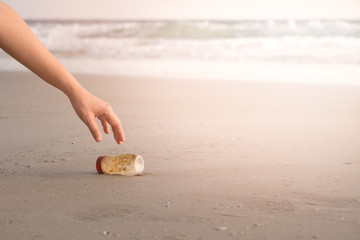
(116, 127)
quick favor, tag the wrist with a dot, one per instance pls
(73, 90)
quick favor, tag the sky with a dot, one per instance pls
(187, 9)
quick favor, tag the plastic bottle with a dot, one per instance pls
(125, 164)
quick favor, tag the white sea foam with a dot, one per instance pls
(208, 44)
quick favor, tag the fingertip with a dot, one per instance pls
(105, 126)
(94, 129)
(119, 137)
(122, 136)
(106, 129)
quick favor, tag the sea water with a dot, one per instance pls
(268, 50)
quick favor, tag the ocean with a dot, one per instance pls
(265, 50)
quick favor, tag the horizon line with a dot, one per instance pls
(181, 19)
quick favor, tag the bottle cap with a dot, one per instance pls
(98, 165)
(139, 164)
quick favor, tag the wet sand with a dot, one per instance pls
(223, 160)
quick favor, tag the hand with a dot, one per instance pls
(19, 41)
(88, 107)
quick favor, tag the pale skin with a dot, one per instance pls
(20, 42)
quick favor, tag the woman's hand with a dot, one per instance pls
(88, 107)
(20, 42)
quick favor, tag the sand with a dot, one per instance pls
(223, 160)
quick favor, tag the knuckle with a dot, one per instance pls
(107, 106)
(87, 120)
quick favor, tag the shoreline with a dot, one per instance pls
(233, 71)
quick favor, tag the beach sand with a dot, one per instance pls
(223, 160)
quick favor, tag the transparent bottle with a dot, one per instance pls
(125, 164)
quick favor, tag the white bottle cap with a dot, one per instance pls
(139, 164)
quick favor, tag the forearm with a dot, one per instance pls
(20, 42)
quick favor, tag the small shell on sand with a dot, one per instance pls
(220, 228)
(167, 204)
